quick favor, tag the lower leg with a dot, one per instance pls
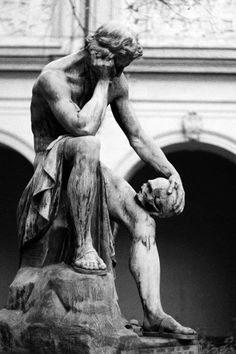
(81, 190)
(145, 267)
(144, 258)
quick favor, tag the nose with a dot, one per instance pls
(143, 187)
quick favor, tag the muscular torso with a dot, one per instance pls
(72, 75)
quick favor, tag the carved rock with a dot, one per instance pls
(56, 310)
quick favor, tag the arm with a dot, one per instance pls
(86, 121)
(145, 146)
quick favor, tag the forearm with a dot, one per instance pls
(91, 115)
(152, 154)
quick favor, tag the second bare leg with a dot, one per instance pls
(144, 258)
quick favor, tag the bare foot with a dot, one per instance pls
(90, 260)
(166, 324)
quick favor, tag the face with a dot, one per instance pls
(148, 189)
(146, 196)
(152, 191)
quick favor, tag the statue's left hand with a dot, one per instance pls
(176, 183)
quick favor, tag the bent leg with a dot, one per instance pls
(144, 258)
(83, 153)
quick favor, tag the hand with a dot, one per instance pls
(103, 67)
(175, 183)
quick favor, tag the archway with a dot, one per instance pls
(197, 248)
(18, 144)
(15, 172)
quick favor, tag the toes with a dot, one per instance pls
(186, 330)
(189, 330)
(170, 324)
(91, 261)
(95, 265)
(101, 264)
(92, 265)
(85, 265)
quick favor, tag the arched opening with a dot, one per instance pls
(15, 173)
(197, 248)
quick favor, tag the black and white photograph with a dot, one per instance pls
(118, 176)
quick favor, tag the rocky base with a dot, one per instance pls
(56, 310)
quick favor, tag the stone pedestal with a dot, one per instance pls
(163, 346)
(56, 310)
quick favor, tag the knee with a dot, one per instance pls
(87, 149)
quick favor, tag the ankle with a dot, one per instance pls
(82, 251)
(153, 318)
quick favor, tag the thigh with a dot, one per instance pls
(122, 202)
(84, 146)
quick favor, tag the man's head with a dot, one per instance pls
(154, 197)
(115, 41)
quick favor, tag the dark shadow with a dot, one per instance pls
(15, 173)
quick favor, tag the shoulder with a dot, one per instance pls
(50, 82)
(50, 77)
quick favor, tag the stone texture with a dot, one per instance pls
(56, 310)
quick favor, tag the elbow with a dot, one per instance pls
(83, 132)
(81, 129)
(134, 142)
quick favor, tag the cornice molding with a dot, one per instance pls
(155, 60)
(25, 62)
(186, 60)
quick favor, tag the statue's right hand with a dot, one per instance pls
(103, 68)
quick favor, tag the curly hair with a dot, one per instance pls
(113, 39)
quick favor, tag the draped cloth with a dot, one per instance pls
(45, 198)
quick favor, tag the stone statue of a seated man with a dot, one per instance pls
(70, 186)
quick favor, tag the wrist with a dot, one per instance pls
(104, 81)
(103, 85)
(170, 172)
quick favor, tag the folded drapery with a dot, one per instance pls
(44, 196)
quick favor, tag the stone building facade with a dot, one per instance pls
(183, 91)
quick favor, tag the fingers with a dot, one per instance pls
(180, 201)
(103, 67)
(172, 185)
(93, 57)
(100, 61)
(175, 183)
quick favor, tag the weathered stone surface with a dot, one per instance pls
(163, 346)
(56, 310)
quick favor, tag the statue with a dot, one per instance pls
(70, 187)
